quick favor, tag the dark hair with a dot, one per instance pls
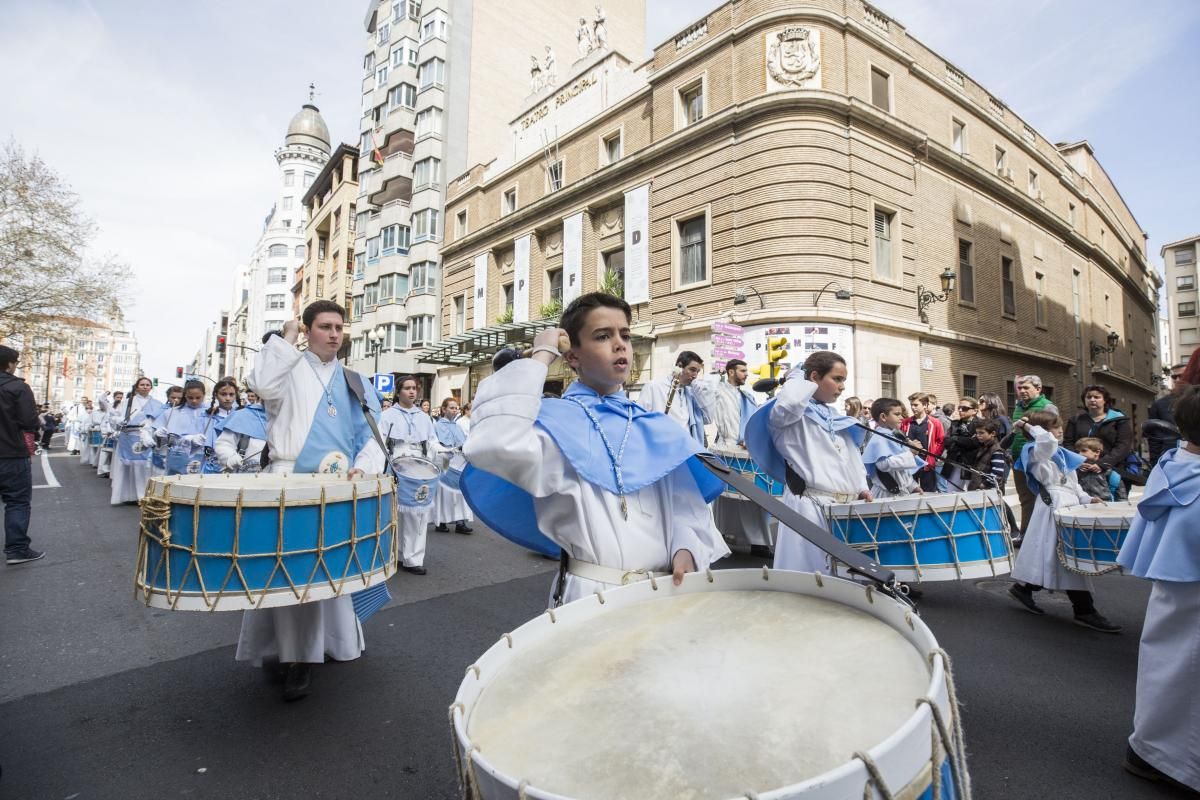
(883, 405)
(576, 314)
(503, 357)
(686, 357)
(174, 388)
(320, 307)
(192, 384)
(821, 362)
(212, 409)
(8, 356)
(405, 379)
(1090, 443)
(990, 425)
(1043, 419)
(948, 409)
(269, 334)
(734, 363)
(995, 404)
(1108, 398)
(1187, 414)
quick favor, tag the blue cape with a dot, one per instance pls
(883, 446)
(249, 421)
(1161, 545)
(656, 447)
(1067, 461)
(761, 443)
(449, 433)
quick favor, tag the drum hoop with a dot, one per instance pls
(940, 501)
(180, 492)
(423, 461)
(883, 609)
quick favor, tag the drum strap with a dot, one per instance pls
(888, 480)
(858, 563)
(795, 481)
(560, 585)
(356, 387)
(243, 442)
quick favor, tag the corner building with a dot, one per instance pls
(774, 153)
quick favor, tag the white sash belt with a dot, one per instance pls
(610, 575)
(836, 497)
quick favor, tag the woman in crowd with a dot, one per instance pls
(961, 446)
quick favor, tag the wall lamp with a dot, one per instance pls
(739, 296)
(1113, 340)
(839, 293)
(926, 297)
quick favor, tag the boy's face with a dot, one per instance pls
(831, 386)
(1091, 455)
(918, 408)
(602, 357)
(690, 373)
(892, 418)
(985, 437)
(1057, 433)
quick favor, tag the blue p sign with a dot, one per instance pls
(384, 382)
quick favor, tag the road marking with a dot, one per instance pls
(51, 481)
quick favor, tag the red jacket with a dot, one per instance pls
(937, 438)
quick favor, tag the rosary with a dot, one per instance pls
(617, 457)
(330, 408)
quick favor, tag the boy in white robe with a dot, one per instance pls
(800, 432)
(890, 465)
(692, 399)
(90, 421)
(1163, 546)
(1050, 474)
(409, 432)
(616, 487)
(313, 425)
(108, 429)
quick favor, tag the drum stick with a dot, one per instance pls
(923, 452)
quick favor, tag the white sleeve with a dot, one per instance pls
(1044, 445)
(791, 402)
(706, 396)
(225, 446)
(654, 396)
(371, 459)
(896, 463)
(692, 526)
(273, 368)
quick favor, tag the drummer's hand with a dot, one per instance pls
(865, 494)
(355, 473)
(291, 331)
(1090, 467)
(681, 564)
(1096, 500)
(232, 462)
(548, 338)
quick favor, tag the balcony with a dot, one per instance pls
(398, 188)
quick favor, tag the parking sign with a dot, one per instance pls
(384, 382)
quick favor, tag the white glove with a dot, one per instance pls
(232, 461)
(195, 439)
(160, 437)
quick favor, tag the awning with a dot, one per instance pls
(478, 346)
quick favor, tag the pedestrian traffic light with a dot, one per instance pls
(155, 382)
(776, 352)
(179, 372)
(221, 343)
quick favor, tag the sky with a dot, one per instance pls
(164, 117)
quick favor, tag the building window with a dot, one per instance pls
(423, 277)
(369, 64)
(1039, 305)
(414, 9)
(300, 251)
(371, 295)
(460, 224)
(1187, 309)
(1071, 214)
(881, 89)
(1001, 160)
(429, 122)
(1188, 336)
(289, 177)
(970, 386)
(508, 203)
(1010, 394)
(420, 330)
(432, 72)
(402, 96)
(612, 148)
(885, 223)
(434, 26)
(395, 239)
(372, 249)
(966, 273)
(460, 313)
(1034, 184)
(613, 263)
(404, 53)
(425, 225)
(507, 290)
(277, 275)
(693, 265)
(691, 103)
(1008, 287)
(277, 250)
(356, 308)
(1185, 282)
(382, 34)
(1185, 257)
(395, 337)
(555, 278)
(887, 380)
(360, 263)
(958, 136)
(426, 172)
(381, 76)
(554, 176)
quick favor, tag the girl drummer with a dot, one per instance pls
(450, 505)
(224, 403)
(409, 432)
(182, 431)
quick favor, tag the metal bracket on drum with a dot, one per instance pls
(858, 563)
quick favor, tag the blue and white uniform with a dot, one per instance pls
(243, 435)
(884, 454)
(409, 432)
(130, 469)
(212, 430)
(737, 518)
(88, 453)
(297, 390)
(450, 505)
(182, 430)
(1163, 546)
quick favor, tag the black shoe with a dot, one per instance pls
(24, 556)
(462, 528)
(1025, 598)
(442, 528)
(1096, 622)
(761, 551)
(413, 570)
(298, 682)
(1136, 765)
(273, 672)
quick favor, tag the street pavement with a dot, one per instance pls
(101, 697)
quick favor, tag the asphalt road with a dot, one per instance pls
(101, 697)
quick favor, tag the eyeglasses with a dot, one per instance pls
(966, 408)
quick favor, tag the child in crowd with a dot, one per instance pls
(1050, 473)
(617, 487)
(1096, 479)
(991, 459)
(1163, 546)
(890, 465)
(928, 430)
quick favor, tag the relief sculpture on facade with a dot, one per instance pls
(794, 58)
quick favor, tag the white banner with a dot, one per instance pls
(572, 258)
(521, 279)
(481, 274)
(637, 245)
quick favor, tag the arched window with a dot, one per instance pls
(278, 250)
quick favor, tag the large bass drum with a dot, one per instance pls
(738, 683)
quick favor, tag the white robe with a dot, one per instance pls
(654, 398)
(586, 521)
(828, 463)
(450, 505)
(128, 480)
(287, 382)
(409, 432)
(87, 451)
(75, 416)
(226, 447)
(110, 425)
(1037, 560)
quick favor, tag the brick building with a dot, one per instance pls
(77, 358)
(771, 158)
(326, 273)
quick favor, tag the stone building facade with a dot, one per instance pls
(1181, 263)
(776, 152)
(79, 358)
(327, 271)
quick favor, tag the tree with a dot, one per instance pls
(46, 274)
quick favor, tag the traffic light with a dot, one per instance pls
(179, 372)
(776, 352)
(763, 371)
(221, 343)
(155, 382)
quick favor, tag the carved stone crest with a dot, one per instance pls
(794, 58)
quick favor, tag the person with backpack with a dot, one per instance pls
(18, 436)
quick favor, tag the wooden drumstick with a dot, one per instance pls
(564, 343)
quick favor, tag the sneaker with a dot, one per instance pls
(298, 682)
(1096, 622)
(24, 556)
(413, 570)
(1025, 598)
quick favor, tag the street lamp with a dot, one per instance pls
(926, 297)
(1113, 340)
(839, 293)
(375, 339)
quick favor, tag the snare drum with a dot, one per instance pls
(1090, 536)
(574, 703)
(929, 537)
(108, 444)
(95, 438)
(234, 542)
(416, 481)
(452, 476)
(129, 445)
(739, 460)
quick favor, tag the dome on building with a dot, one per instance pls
(308, 128)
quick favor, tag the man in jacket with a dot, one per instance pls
(18, 416)
(1029, 399)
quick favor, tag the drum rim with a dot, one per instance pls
(1070, 515)
(934, 501)
(915, 731)
(437, 471)
(206, 489)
